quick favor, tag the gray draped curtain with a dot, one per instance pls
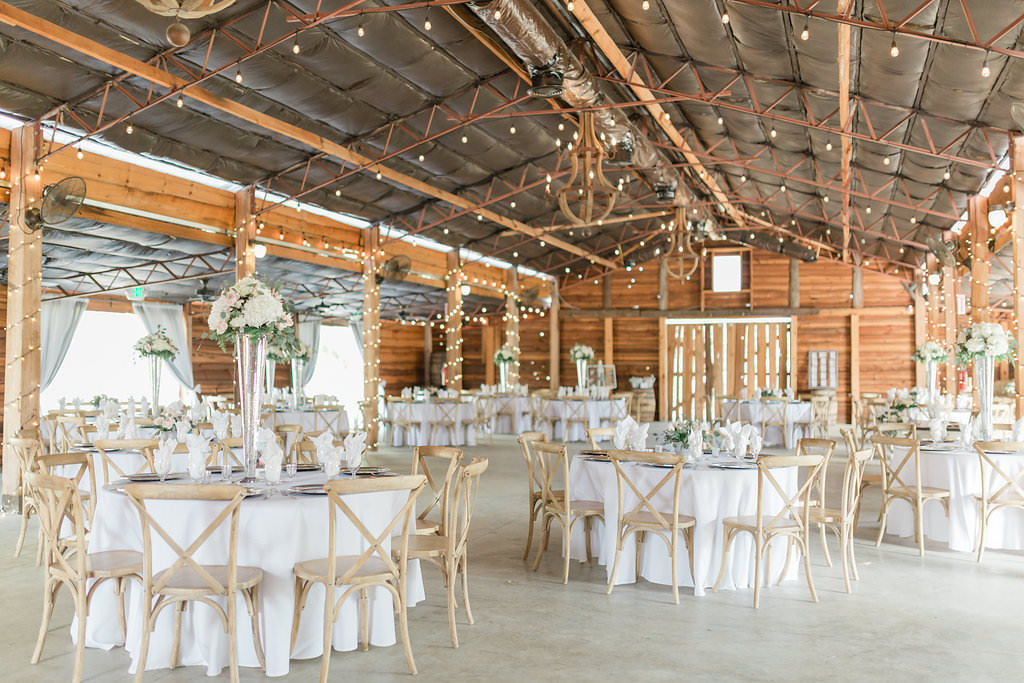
(309, 332)
(171, 317)
(58, 321)
(357, 330)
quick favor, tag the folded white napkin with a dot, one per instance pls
(332, 460)
(695, 443)
(236, 425)
(127, 430)
(323, 444)
(162, 456)
(638, 437)
(111, 407)
(754, 439)
(937, 427)
(197, 412)
(131, 405)
(623, 430)
(407, 392)
(967, 433)
(181, 429)
(1018, 430)
(198, 451)
(62, 402)
(102, 426)
(221, 424)
(273, 456)
(144, 405)
(354, 445)
(77, 403)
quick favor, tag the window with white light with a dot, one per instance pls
(726, 272)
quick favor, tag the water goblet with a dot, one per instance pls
(290, 469)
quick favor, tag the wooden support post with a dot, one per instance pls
(245, 233)
(978, 232)
(453, 322)
(24, 291)
(554, 338)
(609, 342)
(949, 309)
(663, 283)
(858, 288)
(512, 324)
(794, 283)
(855, 356)
(1017, 226)
(428, 352)
(371, 332)
(489, 335)
(663, 369)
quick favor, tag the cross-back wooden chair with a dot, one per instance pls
(330, 415)
(1002, 482)
(305, 451)
(729, 408)
(643, 515)
(68, 431)
(28, 451)
(109, 465)
(595, 434)
(824, 448)
(186, 579)
(866, 478)
(901, 475)
(551, 463)
(448, 550)
(541, 419)
(375, 566)
(790, 522)
(773, 414)
(438, 465)
(620, 408)
(575, 412)
(504, 406)
(821, 416)
(222, 452)
(483, 419)
(77, 467)
(288, 435)
(446, 417)
(67, 562)
(400, 418)
(533, 480)
(843, 520)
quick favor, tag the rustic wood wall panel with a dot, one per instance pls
(881, 290)
(886, 345)
(825, 285)
(826, 333)
(212, 368)
(473, 361)
(401, 355)
(636, 349)
(770, 274)
(534, 358)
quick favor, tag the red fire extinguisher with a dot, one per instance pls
(961, 381)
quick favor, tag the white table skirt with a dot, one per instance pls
(798, 419)
(423, 415)
(274, 534)
(960, 472)
(707, 494)
(597, 410)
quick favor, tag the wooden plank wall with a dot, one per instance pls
(401, 355)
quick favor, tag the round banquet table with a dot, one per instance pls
(597, 410)
(274, 534)
(424, 413)
(335, 419)
(798, 419)
(957, 469)
(706, 493)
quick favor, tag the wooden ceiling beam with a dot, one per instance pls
(15, 17)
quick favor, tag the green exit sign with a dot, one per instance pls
(135, 294)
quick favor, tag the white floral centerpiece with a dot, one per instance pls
(249, 307)
(171, 416)
(156, 345)
(930, 351)
(581, 352)
(984, 344)
(504, 355)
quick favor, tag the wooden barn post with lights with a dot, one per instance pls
(554, 338)
(24, 292)
(371, 333)
(512, 324)
(1017, 226)
(978, 233)
(245, 233)
(453, 322)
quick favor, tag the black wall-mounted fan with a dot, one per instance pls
(60, 202)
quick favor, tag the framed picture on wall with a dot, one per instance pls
(601, 375)
(822, 369)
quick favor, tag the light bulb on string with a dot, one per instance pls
(894, 50)
(238, 76)
(805, 34)
(360, 31)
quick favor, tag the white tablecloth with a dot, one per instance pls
(274, 534)
(960, 472)
(311, 421)
(597, 410)
(798, 419)
(707, 494)
(424, 414)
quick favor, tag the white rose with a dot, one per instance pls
(975, 345)
(997, 346)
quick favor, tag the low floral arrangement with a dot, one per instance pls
(581, 352)
(768, 392)
(983, 339)
(286, 346)
(504, 355)
(896, 412)
(930, 351)
(156, 345)
(249, 306)
(98, 400)
(679, 431)
(171, 415)
(645, 382)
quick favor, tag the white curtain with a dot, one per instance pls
(357, 331)
(171, 317)
(58, 321)
(309, 332)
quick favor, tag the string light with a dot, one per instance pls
(79, 154)
(828, 146)
(725, 17)
(426, 22)
(894, 50)
(180, 102)
(645, 5)
(805, 34)
(985, 70)
(360, 31)
(238, 76)
(295, 47)
(129, 129)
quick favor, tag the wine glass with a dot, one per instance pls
(291, 469)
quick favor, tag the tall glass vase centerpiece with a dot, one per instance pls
(931, 354)
(298, 362)
(248, 314)
(286, 348)
(503, 358)
(983, 344)
(582, 355)
(156, 348)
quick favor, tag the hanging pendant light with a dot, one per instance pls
(587, 196)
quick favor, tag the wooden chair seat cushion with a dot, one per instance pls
(911, 492)
(646, 519)
(185, 580)
(374, 570)
(749, 522)
(114, 563)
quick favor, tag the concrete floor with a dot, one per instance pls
(909, 618)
